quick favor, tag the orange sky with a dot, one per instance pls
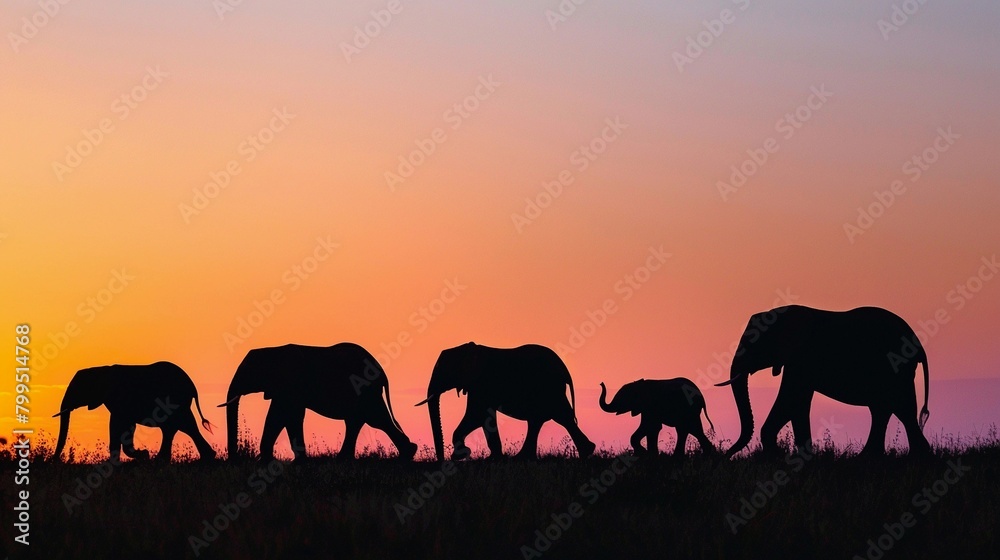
(509, 104)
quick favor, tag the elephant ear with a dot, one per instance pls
(470, 365)
(104, 387)
(641, 397)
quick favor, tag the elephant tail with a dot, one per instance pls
(704, 408)
(924, 413)
(388, 403)
(204, 423)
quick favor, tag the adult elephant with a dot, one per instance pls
(671, 402)
(528, 383)
(157, 395)
(343, 381)
(866, 357)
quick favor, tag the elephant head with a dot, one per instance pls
(456, 368)
(632, 397)
(766, 342)
(90, 388)
(253, 376)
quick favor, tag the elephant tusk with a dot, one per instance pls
(731, 381)
(60, 413)
(229, 402)
(423, 401)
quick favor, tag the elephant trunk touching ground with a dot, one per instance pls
(63, 432)
(83, 390)
(741, 392)
(434, 405)
(232, 419)
(245, 381)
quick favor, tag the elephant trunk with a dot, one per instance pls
(63, 433)
(232, 426)
(434, 406)
(741, 391)
(604, 400)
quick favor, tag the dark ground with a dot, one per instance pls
(828, 506)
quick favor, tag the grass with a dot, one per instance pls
(663, 507)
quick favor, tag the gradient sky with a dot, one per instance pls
(656, 185)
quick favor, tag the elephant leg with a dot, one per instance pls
(296, 437)
(492, 432)
(274, 422)
(875, 445)
(188, 425)
(474, 417)
(128, 445)
(530, 448)
(907, 414)
(117, 428)
(163, 455)
(352, 429)
(800, 423)
(681, 447)
(636, 440)
(653, 438)
(566, 418)
(380, 419)
(781, 413)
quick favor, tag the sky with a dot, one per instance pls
(624, 182)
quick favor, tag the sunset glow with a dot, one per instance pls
(186, 185)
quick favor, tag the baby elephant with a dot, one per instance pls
(674, 402)
(157, 395)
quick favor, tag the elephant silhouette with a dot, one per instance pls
(156, 395)
(343, 381)
(528, 383)
(866, 357)
(672, 402)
